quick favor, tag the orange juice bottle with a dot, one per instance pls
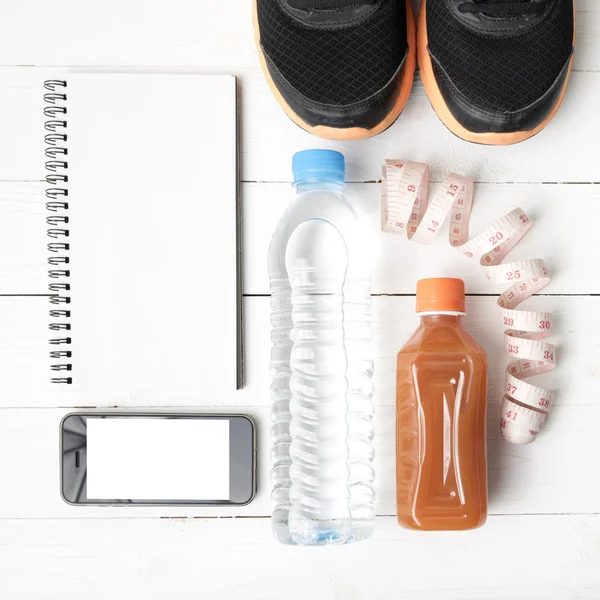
(441, 406)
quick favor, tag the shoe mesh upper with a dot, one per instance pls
(335, 66)
(501, 73)
(327, 4)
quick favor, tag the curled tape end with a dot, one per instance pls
(520, 424)
(518, 437)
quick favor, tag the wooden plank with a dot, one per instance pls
(521, 558)
(566, 218)
(545, 477)
(34, 32)
(184, 33)
(24, 353)
(564, 152)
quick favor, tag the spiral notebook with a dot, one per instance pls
(144, 225)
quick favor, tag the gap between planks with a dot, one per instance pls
(263, 517)
(592, 295)
(584, 295)
(366, 181)
(378, 181)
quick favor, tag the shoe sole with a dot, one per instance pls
(447, 118)
(350, 133)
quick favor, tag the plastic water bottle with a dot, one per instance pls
(320, 263)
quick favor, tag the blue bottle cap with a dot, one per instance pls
(314, 165)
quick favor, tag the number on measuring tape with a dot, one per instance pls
(434, 226)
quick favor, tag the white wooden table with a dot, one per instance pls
(542, 539)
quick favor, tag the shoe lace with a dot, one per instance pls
(502, 8)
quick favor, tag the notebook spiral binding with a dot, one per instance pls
(57, 192)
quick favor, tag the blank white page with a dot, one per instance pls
(153, 232)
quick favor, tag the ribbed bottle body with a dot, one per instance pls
(322, 373)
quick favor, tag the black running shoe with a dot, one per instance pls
(341, 69)
(496, 71)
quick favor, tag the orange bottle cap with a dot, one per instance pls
(442, 294)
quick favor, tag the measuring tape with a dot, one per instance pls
(405, 209)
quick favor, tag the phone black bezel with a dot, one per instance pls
(242, 453)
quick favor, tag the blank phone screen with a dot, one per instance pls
(158, 459)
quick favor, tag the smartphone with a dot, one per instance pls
(157, 459)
